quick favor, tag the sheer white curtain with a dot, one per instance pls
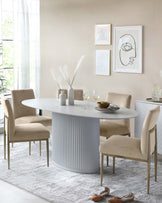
(1, 56)
(27, 45)
(1, 110)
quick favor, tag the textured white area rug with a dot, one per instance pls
(59, 186)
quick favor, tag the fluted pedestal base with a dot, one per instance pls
(76, 143)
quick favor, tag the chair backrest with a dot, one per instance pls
(148, 124)
(9, 115)
(122, 100)
(78, 93)
(18, 108)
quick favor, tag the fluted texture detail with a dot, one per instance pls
(76, 143)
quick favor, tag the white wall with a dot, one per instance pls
(67, 32)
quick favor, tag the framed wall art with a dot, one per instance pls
(103, 62)
(128, 49)
(103, 34)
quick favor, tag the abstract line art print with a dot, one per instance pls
(128, 49)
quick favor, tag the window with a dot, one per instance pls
(7, 47)
(20, 67)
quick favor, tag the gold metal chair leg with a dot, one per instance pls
(4, 142)
(155, 162)
(113, 164)
(107, 157)
(30, 148)
(148, 176)
(155, 154)
(8, 146)
(47, 145)
(107, 161)
(40, 147)
(101, 168)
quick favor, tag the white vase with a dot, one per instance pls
(62, 98)
(70, 96)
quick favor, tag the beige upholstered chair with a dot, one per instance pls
(117, 127)
(22, 132)
(120, 127)
(78, 93)
(134, 148)
(24, 114)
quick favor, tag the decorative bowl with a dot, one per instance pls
(103, 104)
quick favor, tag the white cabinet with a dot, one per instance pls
(142, 107)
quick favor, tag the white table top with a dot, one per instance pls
(79, 109)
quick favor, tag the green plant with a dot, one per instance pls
(6, 70)
(3, 83)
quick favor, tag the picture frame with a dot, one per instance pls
(128, 49)
(103, 62)
(103, 34)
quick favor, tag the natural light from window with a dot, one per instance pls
(6, 69)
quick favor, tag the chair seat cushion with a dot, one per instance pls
(30, 131)
(109, 128)
(124, 146)
(45, 120)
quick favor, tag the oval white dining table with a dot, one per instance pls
(76, 132)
